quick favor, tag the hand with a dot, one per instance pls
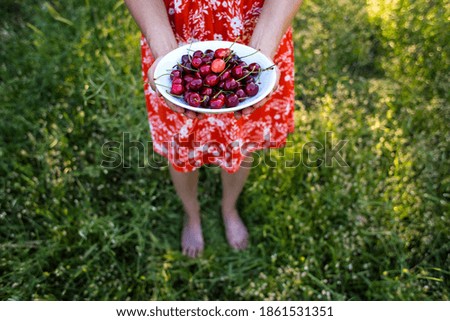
(251, 109)
(151, 79)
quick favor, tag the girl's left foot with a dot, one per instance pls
(235, 230)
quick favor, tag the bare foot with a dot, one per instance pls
(235, 230)
(192, 239)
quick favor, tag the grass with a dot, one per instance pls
(371, 73)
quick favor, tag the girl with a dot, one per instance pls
(189, 140)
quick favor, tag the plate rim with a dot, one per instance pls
(161, 69)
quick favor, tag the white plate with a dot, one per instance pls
(266, 81)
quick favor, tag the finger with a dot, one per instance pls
(248, 110)
(237, 115)
(190, 114)
(175, 108)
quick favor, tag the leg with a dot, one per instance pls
(232, 185)
(186, 188)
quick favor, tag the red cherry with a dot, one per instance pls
(218, 65)
(237, 71)
(206, 91)
(194, 100)
(211, 80)
(188, 78)
(185, 59)
(204, 70)
(232, 100)
(216, 103)
(225, 75)
(177, 89)
(175, 74)
(177, 81)
(230, 84)
(198, 53)
(195, 84)
(241, 93)
(196, 62)
(222, 53)
(254, 67)
(251, 89)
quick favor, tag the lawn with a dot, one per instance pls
(370, 75)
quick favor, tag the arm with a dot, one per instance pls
(276, 17)
(151, 17)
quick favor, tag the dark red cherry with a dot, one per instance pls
(205, 70)
(194, 100)
(230, 84)
(196, 62)
(237, 72)
(198, 53)
(251, 89)
(188, 78)
(195, 84)
(216, 103)
(177, 81)
(175, 74)
(206, 91)
(211, 80)
(254, 67)
(232, 100)
(185, 59)
(221, 53)
(177, 89)
(225, 75)
(241, 93)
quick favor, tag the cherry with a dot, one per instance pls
(254, 67)
(194, 100)
(175, 74)
(225, 75)
(204, 70)
(218, 65)
(177, 89)
(177, 80)
(230, 84)
(205, 100)
(188, 78)
(216, 103)
(232, 100)
(198, 53)
(185, 59)
(196, 62)
(208, 91)
(241, 93)
(195, 84)
(222, 53)
(237, 71)
(211, 80)
(251, 89)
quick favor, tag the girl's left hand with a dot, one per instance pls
(249, 110)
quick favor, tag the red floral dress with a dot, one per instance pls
(219, 139)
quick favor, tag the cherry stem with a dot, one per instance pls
(228, 67)
(256, 51)
(215, 96)
(180, 65)
(178, 96)
(235, 41)
(162, 85)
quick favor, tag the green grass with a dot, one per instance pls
(375, 76)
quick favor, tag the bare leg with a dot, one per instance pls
(186, 188)
(232, 185)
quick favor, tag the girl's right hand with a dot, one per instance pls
(151, 78)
